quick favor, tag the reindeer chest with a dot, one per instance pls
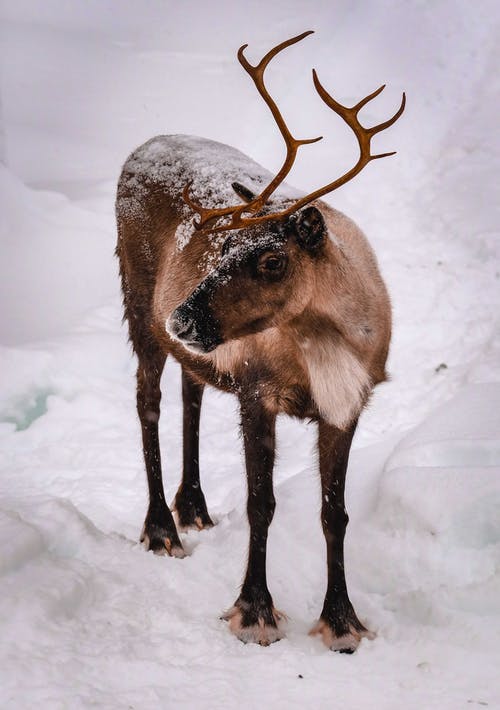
(287, 397)
(267, 367)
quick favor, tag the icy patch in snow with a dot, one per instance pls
(25, 411)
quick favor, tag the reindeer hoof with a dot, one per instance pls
(199, 522)
(191, 509)
(262, 626)
(161, 541)
(346, 642)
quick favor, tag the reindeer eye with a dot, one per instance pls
(272, 265)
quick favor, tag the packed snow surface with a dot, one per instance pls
(87, 617)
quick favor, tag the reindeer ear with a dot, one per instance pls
(243, 192)
(310, 228)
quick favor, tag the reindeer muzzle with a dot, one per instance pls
(194, 325)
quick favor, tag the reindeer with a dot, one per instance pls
(277, 299)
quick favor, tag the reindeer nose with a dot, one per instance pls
(181, 327)
(185, 329)
(194, 324)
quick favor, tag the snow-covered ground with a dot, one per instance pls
(87, 617)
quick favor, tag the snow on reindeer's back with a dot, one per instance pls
(171, 162)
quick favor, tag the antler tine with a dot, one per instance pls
(350, 116)
(271, 54)
(390, 121)
(383, 155)
(368, 98)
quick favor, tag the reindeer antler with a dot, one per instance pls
(292, 145)
(348, 114)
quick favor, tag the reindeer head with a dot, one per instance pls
(265, 275)
(263, 279)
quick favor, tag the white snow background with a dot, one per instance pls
(87, 617)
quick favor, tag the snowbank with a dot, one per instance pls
(56, 261)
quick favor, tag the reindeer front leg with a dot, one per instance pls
(338, 625)
(159, 533)
(189, 501)
(253, 616)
